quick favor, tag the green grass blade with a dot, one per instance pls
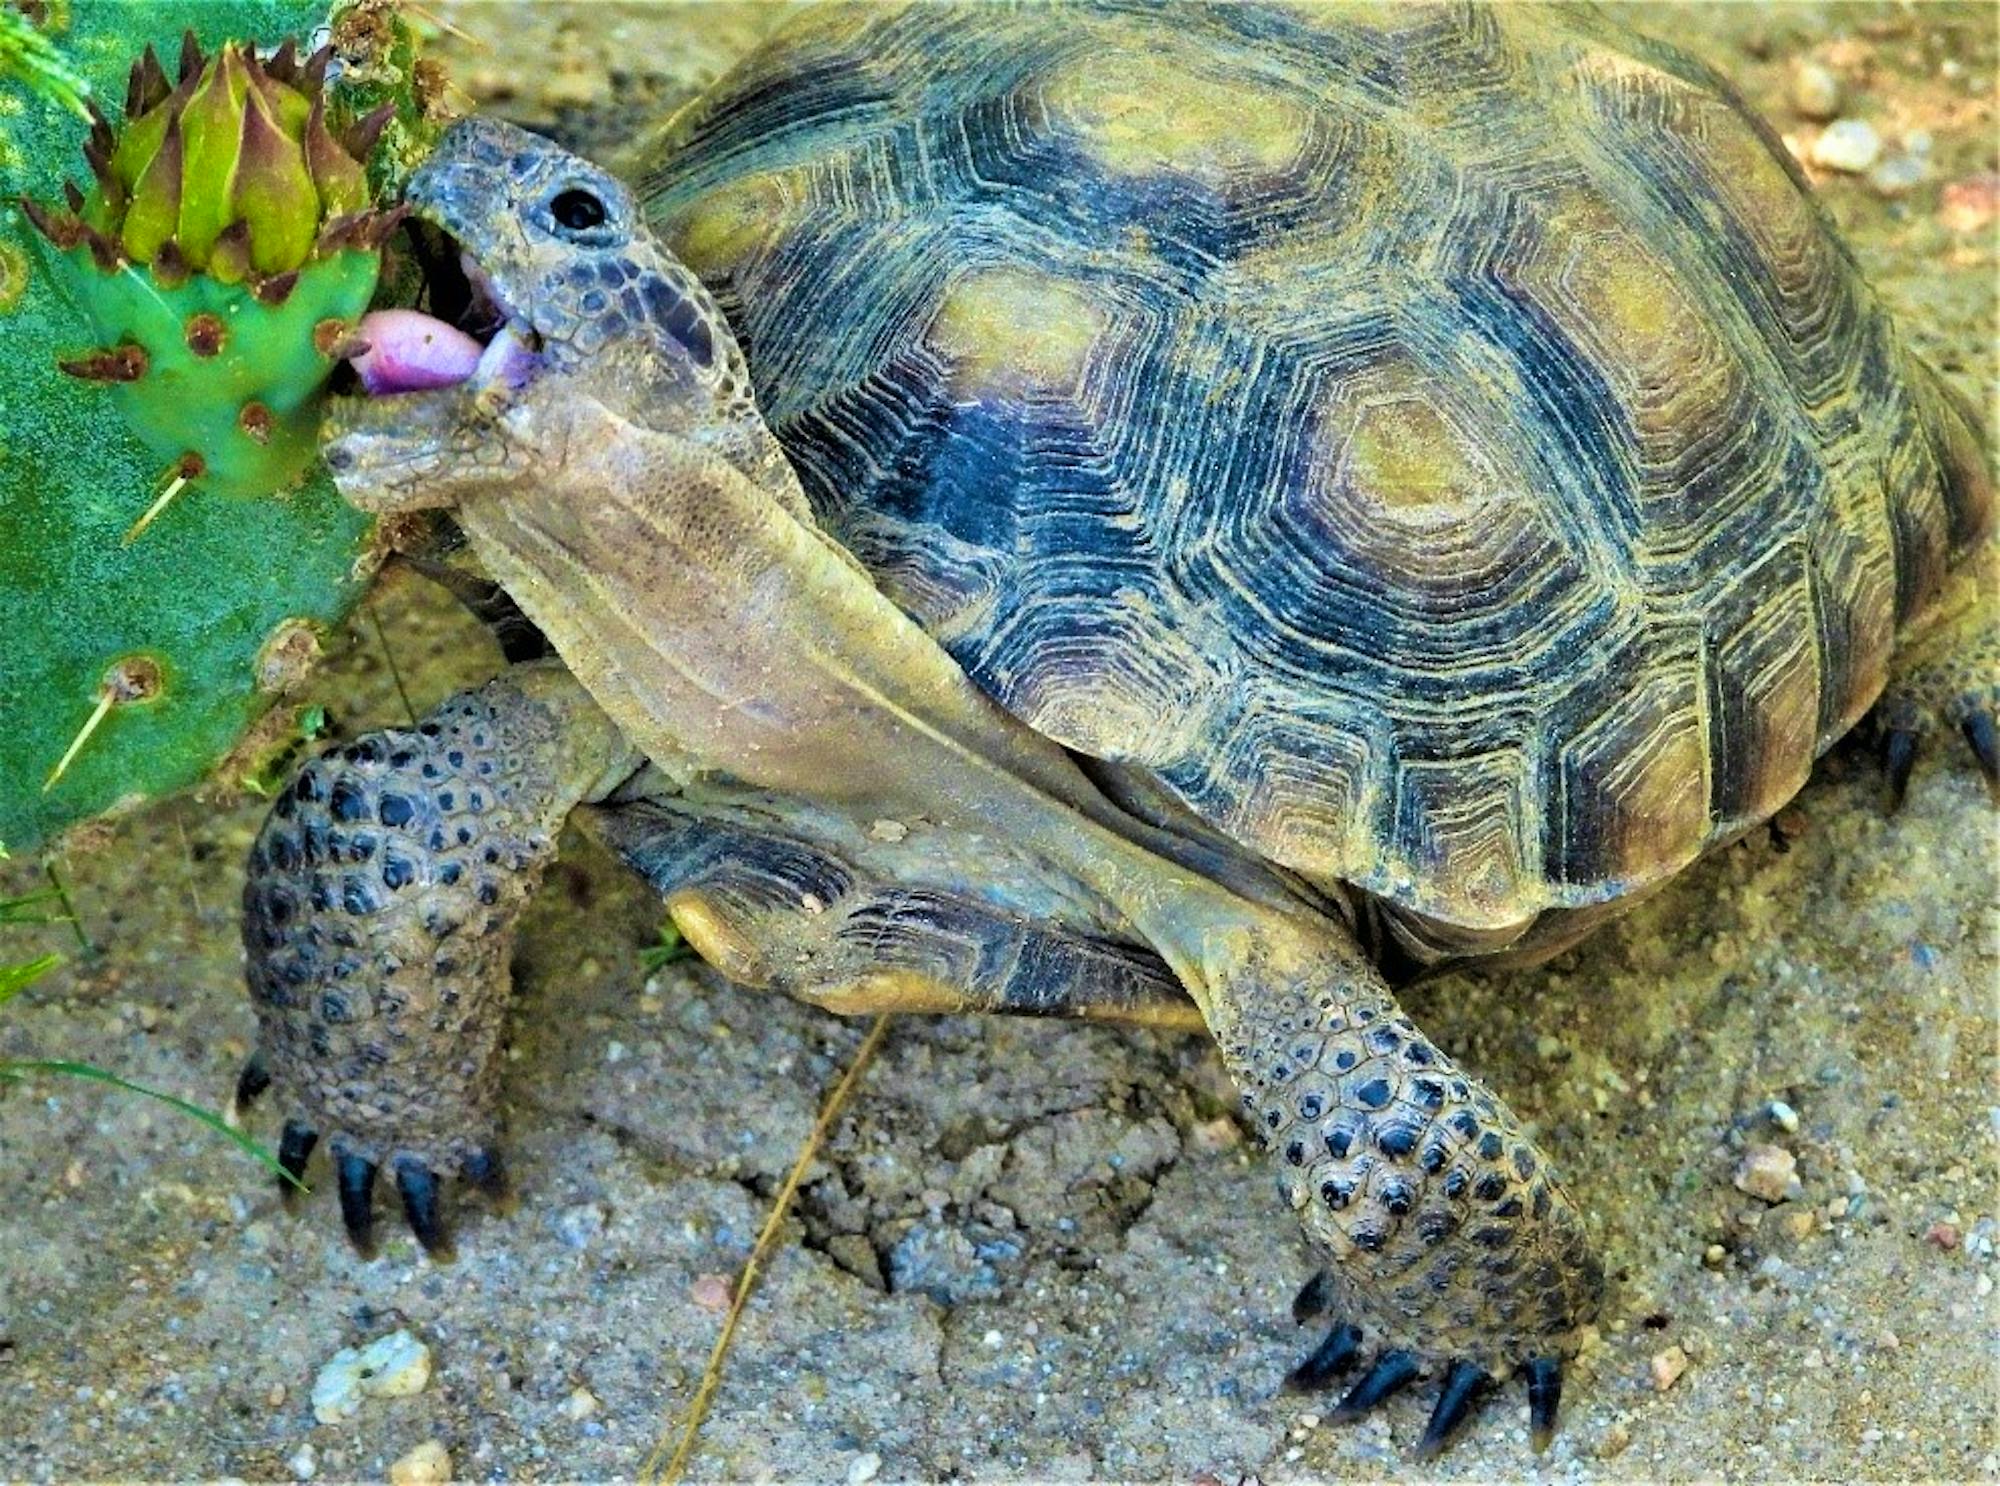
(15, 979)
(16, 1068)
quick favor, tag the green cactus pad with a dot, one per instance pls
(224, 386)
(165, 642)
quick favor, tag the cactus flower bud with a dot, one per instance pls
(236, 141)
(229, 226)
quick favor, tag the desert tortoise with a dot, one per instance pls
(1183, 515)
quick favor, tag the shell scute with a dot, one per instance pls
(1445, 446)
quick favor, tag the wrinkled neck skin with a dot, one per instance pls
(684, 582)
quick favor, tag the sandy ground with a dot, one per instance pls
(1037, 1250)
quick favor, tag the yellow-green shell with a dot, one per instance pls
(1446, 447)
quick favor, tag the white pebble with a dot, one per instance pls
(865, 1468)
(392, 1366)
(1815, 92)
(1668, 1367)
(1899, 175)
(304, 1463)
(1784, 1116)
(1770, 1173)
(580, 1405)
(992, 1339)
(1849, 145)
(429, 1464)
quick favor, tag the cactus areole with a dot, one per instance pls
(223, 255)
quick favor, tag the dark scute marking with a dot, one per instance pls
(397, 872)
(1339, 1141)
(395, 810)
(1491, 1187)
(1490, 1146)
(357, 895)
(1396, 1140)
(1374, 1094)
(349, 803)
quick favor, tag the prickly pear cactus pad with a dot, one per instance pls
(176, 278)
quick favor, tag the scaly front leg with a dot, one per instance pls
(379, 922)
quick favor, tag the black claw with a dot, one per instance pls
(251, 1083)
(356, 1178)
(1314, 1296)
(1899, 757)
(485, 1170)
(1981, 733)
(295, 1148)
(419, 1187)
(1462, 1386)
(1328, 1361)
(1545, 1391)
(1392, 1370)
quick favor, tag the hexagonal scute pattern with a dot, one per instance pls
(1446, 446)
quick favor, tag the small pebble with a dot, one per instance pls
(1769, 1173)
(1899, 175)
(392, 1366)
(1798, 1222)
(1983, 1286)
(1668, 1367)
(1715, 1256)
(1942, 1235)
(1849, 145)
(1615, 1442)
(992, 1339)
(865, 1468)
(580, 1225)
(1815, 92)
(304, 1463)
(1970, 205)
(888, 830)
(429, 1464)
(1783, 1116)
(711, 1292)
(580, 1405)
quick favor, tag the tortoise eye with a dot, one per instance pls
(577, 210)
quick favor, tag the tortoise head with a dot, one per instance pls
(547, 295)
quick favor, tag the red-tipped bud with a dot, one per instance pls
(236, 143)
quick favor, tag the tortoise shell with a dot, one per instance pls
(1447, 449)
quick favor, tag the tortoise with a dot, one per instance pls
(1184, 516)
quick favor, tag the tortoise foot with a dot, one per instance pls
(1463, 1385)
(417, 1182)
(1911, 714)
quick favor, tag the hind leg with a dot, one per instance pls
(1947, 675)
(378, 925)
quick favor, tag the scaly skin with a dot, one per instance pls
(378, 920)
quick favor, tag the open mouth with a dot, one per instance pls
(463, 332)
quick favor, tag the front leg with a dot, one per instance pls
(379, 921)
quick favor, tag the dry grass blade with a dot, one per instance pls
(711, 1376)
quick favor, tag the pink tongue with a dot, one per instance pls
(409, 351)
